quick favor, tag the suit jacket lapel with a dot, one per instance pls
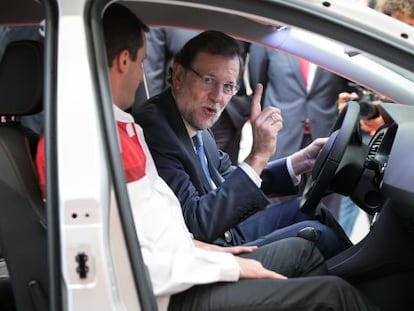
(173, 117)
(177, 124)
(316, 79)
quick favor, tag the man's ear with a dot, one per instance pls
(123, 60)
(177, 75)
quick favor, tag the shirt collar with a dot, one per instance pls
(121, 115)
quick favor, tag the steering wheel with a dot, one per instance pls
(346, 127)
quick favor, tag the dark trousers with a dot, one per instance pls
(282, 220)
(306, 288)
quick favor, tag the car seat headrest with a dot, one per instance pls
(21, 78)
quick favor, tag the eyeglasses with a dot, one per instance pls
(211, 82)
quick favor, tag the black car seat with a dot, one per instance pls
(22, 213)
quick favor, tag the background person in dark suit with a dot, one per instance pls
(307, 96)
(309, 107)
(228, 205)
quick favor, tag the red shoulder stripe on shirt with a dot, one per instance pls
(133, 156)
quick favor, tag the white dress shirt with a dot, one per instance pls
(174, 263)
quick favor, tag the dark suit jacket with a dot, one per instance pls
(236, 196)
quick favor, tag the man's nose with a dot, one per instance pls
(217, 93)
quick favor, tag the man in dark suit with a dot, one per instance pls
(226, 205)
(162, 44)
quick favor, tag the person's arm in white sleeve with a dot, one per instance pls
(175, 272)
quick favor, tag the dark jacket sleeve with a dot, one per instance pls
(276, 179)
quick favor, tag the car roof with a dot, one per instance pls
(347, 21)
(370, 48)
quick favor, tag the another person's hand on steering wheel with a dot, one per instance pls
(345, 97)
(370, 126)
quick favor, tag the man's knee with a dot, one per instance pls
(330, 241)
(299, 244)
(293, 245)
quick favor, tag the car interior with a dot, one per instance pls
(376, 176)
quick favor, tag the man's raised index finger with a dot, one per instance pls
(256, 99)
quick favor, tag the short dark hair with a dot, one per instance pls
(212, 42)
(122, 31)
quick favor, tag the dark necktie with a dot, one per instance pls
(198, 143)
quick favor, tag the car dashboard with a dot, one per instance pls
(394, 154)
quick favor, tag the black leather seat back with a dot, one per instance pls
(22, 212)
